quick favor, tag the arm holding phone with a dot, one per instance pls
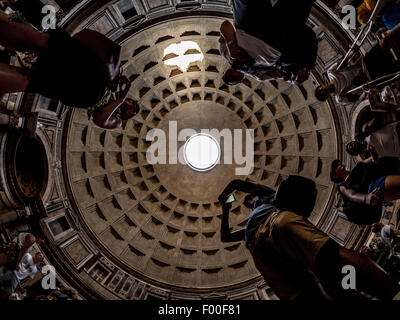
(243, 186)
(226, 234)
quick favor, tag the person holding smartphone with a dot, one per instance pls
(261, 207)
(296, 259)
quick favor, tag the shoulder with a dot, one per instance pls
(289, 219)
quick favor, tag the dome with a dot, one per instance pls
(128, 216)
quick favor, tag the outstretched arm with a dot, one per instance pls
(370, 199)
(244, 186)
(226, 234)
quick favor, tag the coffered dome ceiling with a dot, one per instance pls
(161, 222)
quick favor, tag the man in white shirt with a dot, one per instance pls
(25, 241)
(389, 236)
(27, 268)
(270, 40)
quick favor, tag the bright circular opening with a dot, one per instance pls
(201, 152)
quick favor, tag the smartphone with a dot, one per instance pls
(230, 199)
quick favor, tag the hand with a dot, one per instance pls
(372, 199)
(301, 76)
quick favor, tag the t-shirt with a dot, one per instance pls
(386, 141)
(359, 180)
(27, 268)
(285, 251)
(361, 176)
(260, 213)
(262, 53)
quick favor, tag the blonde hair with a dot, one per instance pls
(363, 15)
(365, 10)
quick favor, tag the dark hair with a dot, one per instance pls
(318, 94)
(354, 148)
(376, 227)
(334, 165)
(123, 108)
(297, 194)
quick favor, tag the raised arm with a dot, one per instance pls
(226, 234)
(244, 186)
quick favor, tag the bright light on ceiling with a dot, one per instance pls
(182, 54)
(201, 152)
